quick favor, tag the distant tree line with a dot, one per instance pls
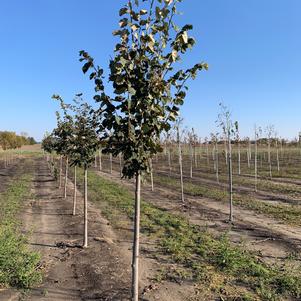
(10, 140)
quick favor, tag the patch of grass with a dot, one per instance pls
(290, 214)
(196, 250)
(18, 265)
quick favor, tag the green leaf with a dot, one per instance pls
(87, 66)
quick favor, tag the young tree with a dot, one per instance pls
(238, 144)
(270, 133)
(257, 135)
(81, 146)
(214, 141)
(148, 90)
(225, 122)
(63, 133)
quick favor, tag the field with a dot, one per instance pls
(189, 250)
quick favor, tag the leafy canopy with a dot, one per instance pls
(148, 87)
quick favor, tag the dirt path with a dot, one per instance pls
(72, 273)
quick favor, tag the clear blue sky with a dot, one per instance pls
(253, 48)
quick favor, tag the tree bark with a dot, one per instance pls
(255, 164)
(135, 259)
(230, 180)
(100, 162)
(61, 167)
(151, 174)
(216, 163)
(181, 167)
(66, 178)
(85, 245)
(74, 192)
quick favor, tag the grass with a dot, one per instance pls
(214, 263)
(18, 265)
(290, 214)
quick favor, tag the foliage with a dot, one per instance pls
(10, 140)
(148, 88)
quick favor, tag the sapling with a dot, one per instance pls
(82, 145)
(257, 134)
(214, 141)
(238, 143)
(270, 133)
(225, 122)
(148, 92)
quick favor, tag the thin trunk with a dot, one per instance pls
(151, 174)
(230, 180)
(61, 168)
(226, 151)
(255, 164)
(74, 192)
(207, 154)
(239, 158)
(95, 161)
(66, 178)
(181, 168)
(269, 159)
(216, 163)
(277, 155)
(195, 156)
(135, 259)
(85, 245)
(99, 157)
(191, 159)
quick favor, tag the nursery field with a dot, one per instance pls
(188, 248)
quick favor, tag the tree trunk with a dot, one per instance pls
(277, 155)
(191, 160)
(151, 174)
(207, 154)
(74, 192)
(230, 179)
(66, 178)
(181, 168)
(239, 172)
(269, 159)
(255, 164)
(135, 259)
(61, 168)
(85, 245)
(100, 162)
(216, 163)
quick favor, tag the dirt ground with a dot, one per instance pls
(103, 270)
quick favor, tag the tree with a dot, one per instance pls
(63, 133)
(257, 134)
(81, 143)
(148, 90)
(225, 122)
(269, 134)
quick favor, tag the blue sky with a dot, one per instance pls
(253, 48)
